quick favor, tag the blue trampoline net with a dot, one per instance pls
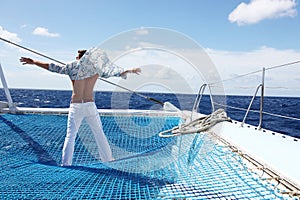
(146, 166)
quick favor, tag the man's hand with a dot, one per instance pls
(25, 61)
(136, 70)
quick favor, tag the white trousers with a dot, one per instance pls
(78, 112)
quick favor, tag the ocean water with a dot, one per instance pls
(285, 106)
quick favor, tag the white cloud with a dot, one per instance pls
(258, 10)
(44, 32)
(8, 35)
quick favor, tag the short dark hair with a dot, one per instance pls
(81, 53)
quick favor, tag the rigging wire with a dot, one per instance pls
(254, 72)
(257, 71)
(160, 102)
(257, 111)
(40, 54)
(31, 51)
(283, 65)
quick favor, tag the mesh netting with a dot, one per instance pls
(135, 143)
(30, 155)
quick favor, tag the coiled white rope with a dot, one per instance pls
(198, 125)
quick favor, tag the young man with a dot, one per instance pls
(84, 76)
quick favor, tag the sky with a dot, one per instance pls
(239, 36)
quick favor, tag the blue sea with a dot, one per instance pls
(285, 106)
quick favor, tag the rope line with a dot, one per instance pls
(198, 125)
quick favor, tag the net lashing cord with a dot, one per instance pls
(198, 125)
